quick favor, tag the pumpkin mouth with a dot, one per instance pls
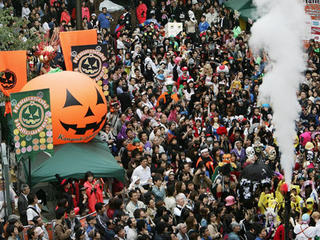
(79, 131)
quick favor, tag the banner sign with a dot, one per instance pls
(90, 60)
(13, 70)
(75, 38)
(32, 124)
(312, 8)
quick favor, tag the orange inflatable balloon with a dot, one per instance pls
(78, 106)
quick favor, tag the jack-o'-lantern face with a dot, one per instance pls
(32, 116)
(78, 105)
(8, 79)
(91, 65)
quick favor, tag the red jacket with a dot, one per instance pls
(279, 235)
(142, 13)
(94, 193)
(86, 13)
(65, 16)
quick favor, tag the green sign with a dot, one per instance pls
(32, 123)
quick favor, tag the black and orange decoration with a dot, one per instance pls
(75, 38)
(78, 105)
(90, 60)
(13, 70)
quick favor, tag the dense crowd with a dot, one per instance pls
(184, 121)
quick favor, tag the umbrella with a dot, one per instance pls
(257, 172)
(253, 176)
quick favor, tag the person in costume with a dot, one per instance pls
(169, 97)
(94, 189)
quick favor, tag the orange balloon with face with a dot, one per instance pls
(78, 106)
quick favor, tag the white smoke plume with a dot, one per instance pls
(280, 32)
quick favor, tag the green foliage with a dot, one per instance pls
(10, 37)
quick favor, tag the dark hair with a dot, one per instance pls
(30, 232)
(131, 192)
(62, 202)
(157, 177)
(118, 228)
(170, 190)
(88, 174)
(79, 233)
(98, 206)
(31, 197)
(141, 224)
(136, 213)
(10, 229)
(60, 212)
(35, 219)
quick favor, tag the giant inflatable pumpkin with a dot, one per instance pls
(78, 105)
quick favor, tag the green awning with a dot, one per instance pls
(74, 160)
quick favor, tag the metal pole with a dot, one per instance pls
(5, 172)
(287, 215)
(78, 15)
(29, 167)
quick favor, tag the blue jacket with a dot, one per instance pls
(203, 26)
(103, 20)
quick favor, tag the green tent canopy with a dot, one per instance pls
(74, 160)
(246, 8)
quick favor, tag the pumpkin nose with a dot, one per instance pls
(89, 113)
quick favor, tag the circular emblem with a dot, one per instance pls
(90, 64)
(31, 115)
(73, 53)
(8, 79)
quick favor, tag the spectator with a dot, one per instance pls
(104, 19)
(23, 203)
(33, 209)
(61, 230)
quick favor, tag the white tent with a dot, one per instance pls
(111, 6)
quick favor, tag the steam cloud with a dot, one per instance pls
(280, 32)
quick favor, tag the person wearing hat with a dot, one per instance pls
(302, 229)
(168, 98)
(206, 160)
(183, 78)
(39, 223)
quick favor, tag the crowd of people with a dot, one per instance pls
(184, 121)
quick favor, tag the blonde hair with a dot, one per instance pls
(315, 215)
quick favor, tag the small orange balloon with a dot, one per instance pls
(78, 105)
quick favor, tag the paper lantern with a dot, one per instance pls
(78, 105)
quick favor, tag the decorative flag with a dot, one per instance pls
(75, 38)
(90, 60)
(13, 70)
(236, 31)
(31, 116)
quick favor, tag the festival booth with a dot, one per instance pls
(72, 160)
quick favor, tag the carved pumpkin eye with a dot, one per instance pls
(99, 98)
(71, 100)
